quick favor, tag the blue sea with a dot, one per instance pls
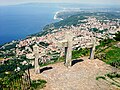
(18, 21)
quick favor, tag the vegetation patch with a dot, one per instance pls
(111, 78)
(37, 84)
(13, 76)
(82, 52)
(113, 57)
(100, 77)
(117, 38)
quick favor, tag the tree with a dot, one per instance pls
(117, 36)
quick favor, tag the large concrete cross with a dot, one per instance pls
(36, 55)
(92, 51)
(67, 44)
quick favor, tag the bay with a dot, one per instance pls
(18, 21)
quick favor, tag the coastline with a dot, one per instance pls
(55, 16)
(65, 10)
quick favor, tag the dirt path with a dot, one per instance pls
(81, 76)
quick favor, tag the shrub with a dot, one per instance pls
(117, 36)
(113, 57)
(38, 84)
(77, 53)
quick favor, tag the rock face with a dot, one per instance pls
(81, 76)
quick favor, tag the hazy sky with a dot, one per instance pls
(8, 2)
